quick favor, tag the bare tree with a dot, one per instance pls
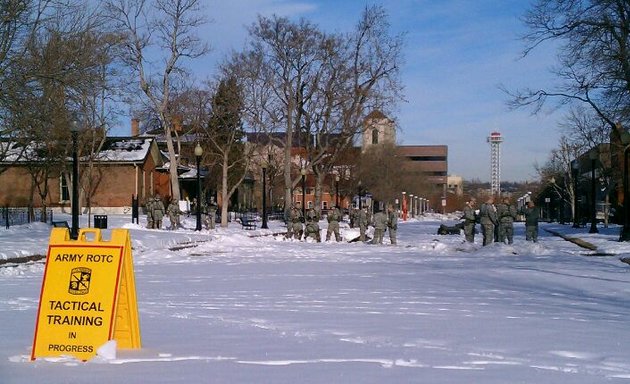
(21, 21)
(62, 76)
(168, 25)
(558, 170)
(280, 73)
(382, 172)
(225, 140)
(594, 55)
(317, 88)
(359, 74)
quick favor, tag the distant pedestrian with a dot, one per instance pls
(532, 215)
(380, 225)
(488, 219)
(212, 215)
(392, 223)
(470, 219)
(193, 207)
(506, 214)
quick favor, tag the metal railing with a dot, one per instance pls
(22, 215)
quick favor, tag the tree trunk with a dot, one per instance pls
(173, 163)
(288, 182)
(319, 181)
(224, 191)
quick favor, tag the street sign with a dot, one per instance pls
(88, 295)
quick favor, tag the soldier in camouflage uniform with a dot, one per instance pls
(204, 215)
(312, 225)
(158, 212)
(212, 215)
(362, 221)
(193, 207)
(506, 214)
(488, 219)
(294, 224)
(470, 219)
(173, 213)
(392, 223)
(380, 225)
(148, 207)
(532, 215)
(353, 217)
(334, 215)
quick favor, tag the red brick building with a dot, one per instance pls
(125, 167)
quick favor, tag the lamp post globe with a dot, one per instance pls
(198, 153)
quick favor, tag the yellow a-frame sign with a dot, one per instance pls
(88, 295)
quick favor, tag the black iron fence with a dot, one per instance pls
(18, 216)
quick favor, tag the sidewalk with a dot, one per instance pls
(603, 243)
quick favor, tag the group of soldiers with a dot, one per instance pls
(358, 218)
(497, 221)
(295, 229)
(154, 208)
(155, 211)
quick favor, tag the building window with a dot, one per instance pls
(64, 191)
(324, 205)
(375, 136)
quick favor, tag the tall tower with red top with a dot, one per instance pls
(495, 139)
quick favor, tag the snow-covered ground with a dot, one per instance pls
(231, 306)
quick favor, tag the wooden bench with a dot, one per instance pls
(248, 222)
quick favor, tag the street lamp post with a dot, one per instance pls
(74, 230)
(575, 168)
(593, 156)
(416, 205)
(404, 206)
(264, 196)
(337, 190)
(625, 231)
(198, 153)
(303, 173)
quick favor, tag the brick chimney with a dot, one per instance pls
(135, 127)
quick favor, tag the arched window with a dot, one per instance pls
(375, 136)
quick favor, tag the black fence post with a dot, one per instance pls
(5, 215)
(135, 209)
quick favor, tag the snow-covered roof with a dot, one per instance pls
(115, 149)
(125, 149)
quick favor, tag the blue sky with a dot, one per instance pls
(457, 53)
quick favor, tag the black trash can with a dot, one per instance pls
(100, 221)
